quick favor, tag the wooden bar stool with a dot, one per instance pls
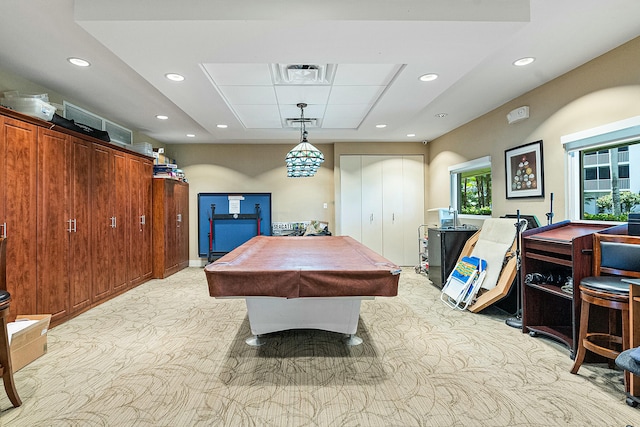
(614, 257)
(5, 354)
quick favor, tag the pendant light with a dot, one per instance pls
(304, 159)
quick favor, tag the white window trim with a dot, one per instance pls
(454, 170)
(619, 132)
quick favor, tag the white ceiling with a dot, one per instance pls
(230, 53)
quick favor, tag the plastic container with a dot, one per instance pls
(30, 105)
(143, 147)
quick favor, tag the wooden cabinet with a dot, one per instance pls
(18, 153)
(72, 208)
(140, 219)
(382, 203)
(182, 202)
(110, 212)
(559, 250)
(170, 226)
(63, 224)
(80, 269)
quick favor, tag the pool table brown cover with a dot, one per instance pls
(298, 267)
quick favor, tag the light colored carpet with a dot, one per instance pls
(167, 354)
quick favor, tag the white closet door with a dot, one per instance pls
(351, 196)
(412, 206)
(372, 202)
(382, 203)
(392, 209)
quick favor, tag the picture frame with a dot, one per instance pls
(524, 170)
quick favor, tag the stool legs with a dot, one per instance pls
(585, 337)
(626, 341)
(5, 361)
(584, 327)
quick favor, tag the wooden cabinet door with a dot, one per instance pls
(182, 204)
(80, 267)
(18, 161)
(147, 227)
(54, 224)
(122, 211)
(135, 219)
(102, 224)
(140, 176)
(171, 225)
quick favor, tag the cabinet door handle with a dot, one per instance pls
(179, 219)
(113, 222)
(75, 225)
(371, 218)
(4, 230)
(393, 217)
(143, 220)
(69, 229)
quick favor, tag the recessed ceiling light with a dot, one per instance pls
(79, 62)
(174, 77)
(222, 126)
(190, 135)
(380, 126)
(411, 135)
(161, 117)
(523, 61)
(428, 77)
(441, 115)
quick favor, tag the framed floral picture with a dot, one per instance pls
(524, 171)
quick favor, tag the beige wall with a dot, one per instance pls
(256, 168)
(604, 90)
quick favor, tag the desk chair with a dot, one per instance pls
(5, 355)
(614, 257)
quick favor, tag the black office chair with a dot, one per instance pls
(614, 257)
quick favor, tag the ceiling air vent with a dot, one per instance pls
(303, 74)
(295, 122)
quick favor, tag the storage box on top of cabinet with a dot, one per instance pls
(31, 105)
(143, 148)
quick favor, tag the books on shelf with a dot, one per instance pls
(169, 171)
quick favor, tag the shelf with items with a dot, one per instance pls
(166, 167)
(423, 250)
(554, 258)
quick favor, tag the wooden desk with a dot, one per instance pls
(634, 327)
(563, 249)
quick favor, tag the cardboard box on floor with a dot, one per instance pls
(30, 342)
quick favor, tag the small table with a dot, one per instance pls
(302, 282)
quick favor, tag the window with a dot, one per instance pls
(116, 132)
(602, 186)
(607, 195)
(471, 187)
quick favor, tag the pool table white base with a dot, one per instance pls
(335, 314)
